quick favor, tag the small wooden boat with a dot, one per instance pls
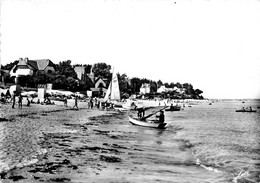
(149, 124)
(174, 108)
(241, 110)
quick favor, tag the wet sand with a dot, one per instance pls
(91, 145)
(73, 148)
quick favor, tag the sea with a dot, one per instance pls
(206, 142)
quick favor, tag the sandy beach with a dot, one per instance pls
(54, 143)
(64, 150)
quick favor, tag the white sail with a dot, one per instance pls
(115, 93)
(107, 96)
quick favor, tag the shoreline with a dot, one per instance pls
(56, 125)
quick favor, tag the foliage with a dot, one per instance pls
(136, 83)
(153, 86)
(123, 83)
(102, 69)
(65, 68)
(10, 65)
(66, 78)
(159, 83)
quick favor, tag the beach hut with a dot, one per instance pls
(41, 91)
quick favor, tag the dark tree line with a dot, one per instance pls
(65, 78)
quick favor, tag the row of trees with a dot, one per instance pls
(65, 78)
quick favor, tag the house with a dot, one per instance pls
(81, 73)
(29, 67)
(163, 88)
(97, 85)
(145, 88)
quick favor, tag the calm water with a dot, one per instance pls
(203, 143)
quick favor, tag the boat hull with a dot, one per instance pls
(147, 124)
(175, 108)
(245, 111)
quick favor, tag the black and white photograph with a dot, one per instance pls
(130, 91)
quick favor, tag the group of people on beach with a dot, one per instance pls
(91, 101)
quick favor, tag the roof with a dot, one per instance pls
(99, 78)
(4, 71)
(40, 64)
(22, 63)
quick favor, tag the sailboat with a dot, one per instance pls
(113, 92)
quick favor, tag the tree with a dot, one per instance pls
(153, 87)
(123, 83)
(135, 85)
(65, 68)
(103, 70)
(144, 80)
(167, 85)
(159, 83)
(198, 92)
(10, 65)
(178, 85)
(172, 85)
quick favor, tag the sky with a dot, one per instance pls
(212, 44)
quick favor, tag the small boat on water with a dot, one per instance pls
(149, 124)
(174, 108)
(241, 110)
